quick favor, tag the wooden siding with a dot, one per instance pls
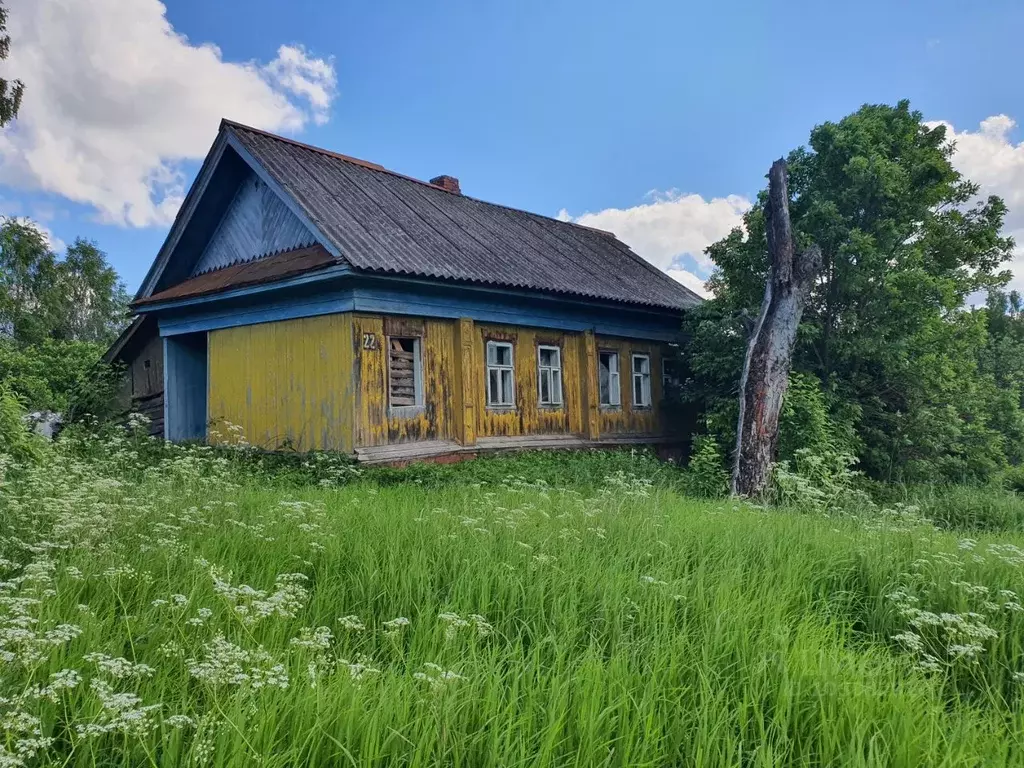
(256, 223)
(323, 294)
(145, 384)
(627, 419)
(147, 380)
(322, 383)
(288, 385)
(376, 422)
(529, 417)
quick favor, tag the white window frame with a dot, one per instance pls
(614, 379)
(553, 373)
(417, 369)
(644, 378)
(508, 399)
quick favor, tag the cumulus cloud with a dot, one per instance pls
(690, 280)
(116, 100)
(669, 226)
(989, 157)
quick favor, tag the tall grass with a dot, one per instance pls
(150, 615)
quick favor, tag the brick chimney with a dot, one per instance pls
(449, 183)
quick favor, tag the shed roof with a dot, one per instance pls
(266, 270)
(384, 222)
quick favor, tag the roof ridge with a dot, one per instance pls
(378, 167)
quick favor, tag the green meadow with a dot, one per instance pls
(175, 606)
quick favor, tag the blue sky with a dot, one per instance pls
(655, 119)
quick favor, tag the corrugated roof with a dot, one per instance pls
(276, 267)
(383, 222)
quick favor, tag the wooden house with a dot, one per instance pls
(317, 301)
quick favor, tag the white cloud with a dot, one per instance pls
(690, 280)
(990, 158)
(115, 100)
(55, 244)
(669, 226)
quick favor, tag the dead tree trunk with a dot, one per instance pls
(770, 351)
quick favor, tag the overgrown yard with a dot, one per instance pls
(187, 610)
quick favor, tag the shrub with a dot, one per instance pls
(706, 476)
(1013, 479)
(818, 481)
(16, 437)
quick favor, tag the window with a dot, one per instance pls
(500, 392)
(608, 371)
(669, 374)
(549, 375)
(641, 381)
(405, 378)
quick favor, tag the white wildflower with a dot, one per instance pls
(352, 623)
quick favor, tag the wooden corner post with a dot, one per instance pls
(591, 391)
(465, 395)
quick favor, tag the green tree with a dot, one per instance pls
(11, 91)
(77, 298)
(905, 241)
(57, 316)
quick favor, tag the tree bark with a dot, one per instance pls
(770, 351)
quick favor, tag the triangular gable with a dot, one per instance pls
(256, 224)
(234, 212)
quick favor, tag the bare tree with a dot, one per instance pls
(770, 351)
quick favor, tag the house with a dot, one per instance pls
(317, 301)
(140, 349)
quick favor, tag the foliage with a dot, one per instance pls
(706, 476)
(1013, 479)
(17, 440)
(11, 91)
(173, 609)
(62, 376)
(77, 298)
(905, 242)
(819, 481)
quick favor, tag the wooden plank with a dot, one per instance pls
(403, 326)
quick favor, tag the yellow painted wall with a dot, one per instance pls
(626, 418)
(286, 384)
(528, 417)
(376, 423)
(318, 384)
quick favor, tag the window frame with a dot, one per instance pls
(507, 403)
(417, 376)
(614, 392)
(669, 381)
(645, 380)
(551, 370)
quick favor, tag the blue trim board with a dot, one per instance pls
(250, 290)
(400, 297)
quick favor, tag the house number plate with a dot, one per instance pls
(369, 341)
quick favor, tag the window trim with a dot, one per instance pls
(511, 367)
(614, 393)
(417, 377)
(560, 401)
(668, 380)
(645, 378)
